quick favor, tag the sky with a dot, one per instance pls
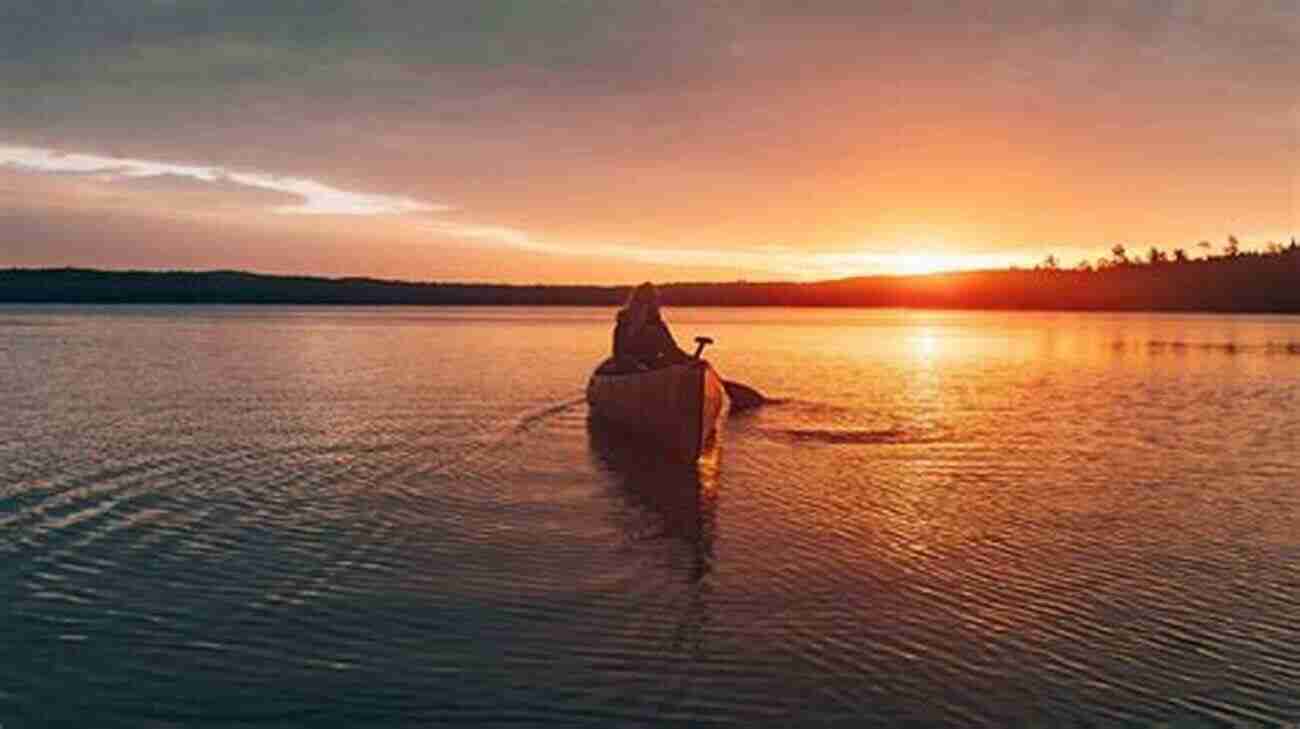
(589, 141)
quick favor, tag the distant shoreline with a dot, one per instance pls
(1246, 283)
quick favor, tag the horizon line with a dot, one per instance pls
(435, 282)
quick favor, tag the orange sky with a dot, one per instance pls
(614, 142)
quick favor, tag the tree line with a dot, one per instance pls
(1231, 280)
(1155, 256)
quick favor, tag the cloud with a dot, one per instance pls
(772, 260)
(315, 197)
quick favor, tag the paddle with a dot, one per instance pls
(743, 397)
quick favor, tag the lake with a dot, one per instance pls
(248, 517)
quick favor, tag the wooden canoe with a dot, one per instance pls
(677, 408)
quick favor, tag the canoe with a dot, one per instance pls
(677, 408)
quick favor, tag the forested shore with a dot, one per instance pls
(1236, 281)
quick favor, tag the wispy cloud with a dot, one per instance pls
(772, 260)
(316, 197)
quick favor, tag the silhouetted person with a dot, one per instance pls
(641, 338)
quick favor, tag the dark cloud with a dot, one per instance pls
(70, 41)
(138, 60)
(72, 64)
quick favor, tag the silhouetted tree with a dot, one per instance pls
(1119, 254)
(1050, 263)
(1084, 266)
(1233, 249)
(1180, 255)
(1156, 256)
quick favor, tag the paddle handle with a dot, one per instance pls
(700, 344)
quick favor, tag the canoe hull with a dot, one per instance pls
(677, 408)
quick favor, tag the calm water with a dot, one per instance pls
(385, 517)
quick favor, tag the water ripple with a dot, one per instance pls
(407, 519)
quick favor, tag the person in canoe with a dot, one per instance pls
(642, 342)
(641, 337)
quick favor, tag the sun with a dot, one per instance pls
(904, 258)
